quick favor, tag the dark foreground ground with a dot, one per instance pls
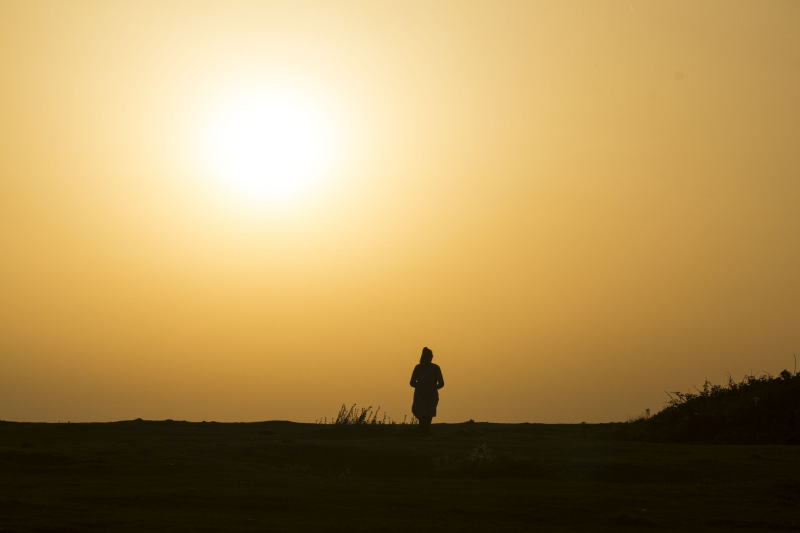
(281, 476)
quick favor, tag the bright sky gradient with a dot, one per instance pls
(576, 205)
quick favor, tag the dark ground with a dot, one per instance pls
(282, 476)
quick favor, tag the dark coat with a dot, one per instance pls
(427, 380)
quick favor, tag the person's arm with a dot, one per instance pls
(439, 378)
(414, 378)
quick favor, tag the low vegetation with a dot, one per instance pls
(484, 462)
(360, 420)
(756, 410)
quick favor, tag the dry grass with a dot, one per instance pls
(355, 421)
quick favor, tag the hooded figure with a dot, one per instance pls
(427, 380)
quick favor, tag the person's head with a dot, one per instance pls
(427, 355)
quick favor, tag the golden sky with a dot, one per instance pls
(242, 210)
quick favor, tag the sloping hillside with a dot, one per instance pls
(756, 410)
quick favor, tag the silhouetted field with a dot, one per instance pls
(282, 476)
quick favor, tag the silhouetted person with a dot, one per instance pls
(427, 380)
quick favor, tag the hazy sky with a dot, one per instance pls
(242, 211)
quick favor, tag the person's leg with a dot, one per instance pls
(425, 425)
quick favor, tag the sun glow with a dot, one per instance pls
(269, 146)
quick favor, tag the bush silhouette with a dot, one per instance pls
(755, 410)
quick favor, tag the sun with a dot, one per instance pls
(268, 146)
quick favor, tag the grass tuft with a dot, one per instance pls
(357, 419)
(483, 462)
